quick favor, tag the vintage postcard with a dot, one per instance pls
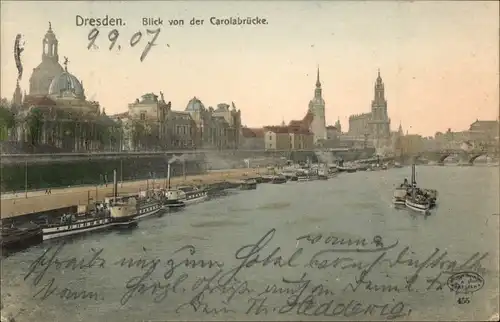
(249, 161)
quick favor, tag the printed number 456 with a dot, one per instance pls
(463, 300)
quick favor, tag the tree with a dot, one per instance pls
(35, 122)
(138, 133)
(7, 121)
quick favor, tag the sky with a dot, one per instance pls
(439, 60)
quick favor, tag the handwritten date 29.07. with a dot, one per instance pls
(134, 40)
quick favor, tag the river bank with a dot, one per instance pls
(38, 201)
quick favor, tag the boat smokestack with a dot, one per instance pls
(115, 185)
(168, 175)
(413, 175)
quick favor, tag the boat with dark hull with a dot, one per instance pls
(183, 196)
(20, 238)
(289, 175)
(266, 178)
(116, 213)
(248, 184)
(306, 177)
(342, 168)
(171, 200)
(119, 215)
(278, 180)
(145, 204)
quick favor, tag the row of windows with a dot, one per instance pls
(148, 209)
(300, 146)
(197, 195)
(180, 129)
(86, 224)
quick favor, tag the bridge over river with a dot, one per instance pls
(467, 157)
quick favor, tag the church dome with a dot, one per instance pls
(194, 105)
(66, 82)
(43, 75)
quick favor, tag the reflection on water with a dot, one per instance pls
(351, 207)
(220, 223)
(274, 205)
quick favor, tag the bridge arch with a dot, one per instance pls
(475, 156)
(444, 157)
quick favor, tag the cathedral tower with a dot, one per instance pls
(380, 123)
(317, 109)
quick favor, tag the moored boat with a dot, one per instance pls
(116, 212)
(332, 175)
(346, 169)
(278, 179)
(145, 204)
(183, 196)
(193, 194)
(266, 178)
(20, 238)
(289, 175)
(172, 200)
(248, 184)
(117, 215)
(303, 177)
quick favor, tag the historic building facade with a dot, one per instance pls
(56, 112)
(252, 139)
(146, 123)
(484, 132)
(215, 128)
(151, 124)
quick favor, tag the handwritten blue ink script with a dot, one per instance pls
(310, 276)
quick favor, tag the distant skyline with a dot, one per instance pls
(439, 60)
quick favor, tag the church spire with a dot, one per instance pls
(317, 91)
(318, 83)
(17, 98)
(379, 79)
(379, 89)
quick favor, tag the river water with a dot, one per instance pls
(367, 280)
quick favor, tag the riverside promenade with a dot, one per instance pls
(37, 201)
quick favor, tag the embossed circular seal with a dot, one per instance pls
(465, 282)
